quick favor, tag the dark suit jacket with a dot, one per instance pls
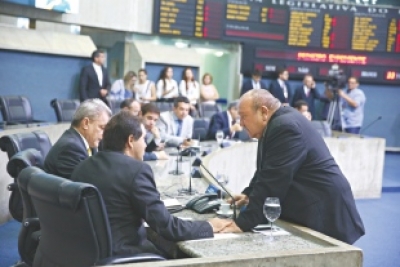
(66, 154)
(219, 121)
(248, 85)
(300, 95)
(149, 153)
(130, 196)
(89, 86)
(276, 90)
(295, 165)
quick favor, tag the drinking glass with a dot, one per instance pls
(219, 136)
(224, 180)
(272, 211)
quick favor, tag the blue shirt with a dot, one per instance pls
(353, 117)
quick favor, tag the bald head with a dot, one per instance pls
(259, 98)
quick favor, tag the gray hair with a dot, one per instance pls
(262, 97)
(233, 104)
(90, 108)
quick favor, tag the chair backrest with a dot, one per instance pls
(65, 109)
(208, 110)
(73, 220)
(115, 105)
(164, 106)
(200, 128)
(322, 127)
(16, 109)
(15, 143)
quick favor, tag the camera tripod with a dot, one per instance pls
(334, 117)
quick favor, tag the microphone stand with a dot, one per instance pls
(177, 171)
(369, 125)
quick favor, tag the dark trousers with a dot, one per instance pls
(353, 130)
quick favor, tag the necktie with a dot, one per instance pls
(89, 151)
(178, 132)
(233, 122)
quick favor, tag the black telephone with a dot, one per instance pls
(204, 203)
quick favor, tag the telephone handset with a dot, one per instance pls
(204, 203)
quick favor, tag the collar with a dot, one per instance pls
(175, 117)
(229, 117)
(83, 138)
(96, 67)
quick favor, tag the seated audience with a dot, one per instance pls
(254, 83)
(155, 146)
(129, 191)
(308, 93)
(226, 121)
(189, 87)
(145, 90)
(131, 105)
(280, 87)
(176, 126)
(167, 87)
(80, 141)
(208, 92)
(123, 88)
(302, 107)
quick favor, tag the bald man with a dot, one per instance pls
(294, 165)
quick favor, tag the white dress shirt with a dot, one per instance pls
(256, 85)
(306, 90)
(99, 73)
(283, 86)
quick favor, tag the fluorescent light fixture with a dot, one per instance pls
(180, 44)
(218, 53)
(203, 51)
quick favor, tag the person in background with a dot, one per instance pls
(129, 191)
(94, 81)
(280, 87)
(123, 88)
(176, 126)
(208, 92)
(302, 107)
(226, 121)
(80, 141)
(155, 146)
(190, 88)
(308, 93)
(145, 90)
(254, 83)
(167, 87)
(131, 105)
(294, 165)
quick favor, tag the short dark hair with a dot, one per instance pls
(180, 99)
(127, 103)
(256, 73)
(150, 108)
(143, 70)
(280, 70)
(96, 53)
(118, 130)
(299, 103)
(233, 104)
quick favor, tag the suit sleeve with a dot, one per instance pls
(218, 124)
(169, 138)
(152, 209)
(68, 158)
(83, 81)
(286, 151)
(106, 79)
(148, 156)
(296, 97)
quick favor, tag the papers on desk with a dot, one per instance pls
(172, 203)
(217, 237)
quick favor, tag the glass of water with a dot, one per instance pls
(272, 211)
(219, 135)
(224, 180)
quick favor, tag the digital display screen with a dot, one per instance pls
(302, 33)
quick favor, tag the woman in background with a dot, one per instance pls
(208, 92)
(190, 88)
(123, 88)
(145, 90)
(166, 86)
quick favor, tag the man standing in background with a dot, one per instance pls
(280, 87)
(254, 83)
(308, 93)
(94, 81)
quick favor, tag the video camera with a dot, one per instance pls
(336, 78)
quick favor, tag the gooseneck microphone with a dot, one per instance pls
(198, 162)
(369, 125)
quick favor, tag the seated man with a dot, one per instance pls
(176, 126)
(302, 107)
(154, 149)
(131, 105)
(226, 121)
(129, 191)
(80, 141)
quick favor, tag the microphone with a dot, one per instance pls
(369, 125)
(198, 162)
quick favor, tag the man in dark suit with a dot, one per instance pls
(280, 87)
(295, 165)
(129, 191)
(94, 81)
(79, 141)
(308, 93)
(226, 121)
(254, 83)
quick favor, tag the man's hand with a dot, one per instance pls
(341, 93)
(154, 130)
(240, 200)
(236, 128)
(103, 92)
(187, 143)
(161, 155)
(232, 228)
(219, 224)
(160, 146)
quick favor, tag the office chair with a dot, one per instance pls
(75, 230)
(208, 110)
(164, 106)
(65, 109)
(17, 110)
(200, 128)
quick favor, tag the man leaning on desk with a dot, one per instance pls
(129, 191)
(295, 165)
